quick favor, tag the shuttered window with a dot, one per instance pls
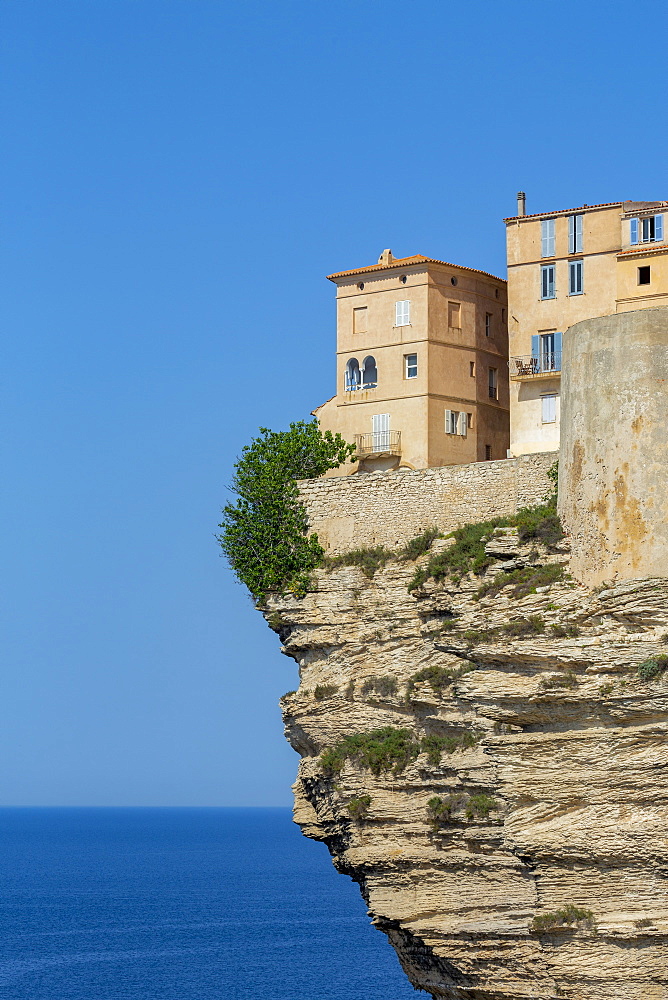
(548, 409)
(547, 238)
(380, 426)
(647, 230)
(575, 277)
(547, 281)
(403, 313)
(575, 227)
(451, 421)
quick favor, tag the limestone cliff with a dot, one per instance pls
(520, 848)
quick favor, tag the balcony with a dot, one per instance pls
(544, 365)
(378, 443)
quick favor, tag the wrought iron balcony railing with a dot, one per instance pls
(530, 366)
(378, 443)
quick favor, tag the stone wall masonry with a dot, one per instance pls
(389, 508)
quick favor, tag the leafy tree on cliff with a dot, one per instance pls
(265, 534)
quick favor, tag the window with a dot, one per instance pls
(546, 352)
(547, 281)
(575, 273)
(547, 238)
(359, 320)
(575, 233)
(647, 230)
(644, 275)
(410, 361)
(548, 409)
(403, 313)
(488, 453)
(456, 422)
(353, 378)
(369, 373)
(488, 324)
(454, 315)
(472, 369)
(380, 429)
(492, 381)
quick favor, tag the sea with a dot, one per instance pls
(181, 904)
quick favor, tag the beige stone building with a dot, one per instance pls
(422, 372)
(565, 267)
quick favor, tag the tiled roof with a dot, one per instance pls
(644, 248)
(400, 262)
(565, 211)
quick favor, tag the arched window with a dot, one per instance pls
(353, 379)
(369, 373)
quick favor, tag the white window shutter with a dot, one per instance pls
(634, 230)
(462, 424)
(579, 221)
(448, 421)
(658, 227)
(398, 311)
(571, 233)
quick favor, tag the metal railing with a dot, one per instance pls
(531, 365)
(353, 386)
(378, 443)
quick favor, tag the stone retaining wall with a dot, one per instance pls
(389, 508)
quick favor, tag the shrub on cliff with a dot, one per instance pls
(265, 534)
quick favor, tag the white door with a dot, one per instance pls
(381, 431)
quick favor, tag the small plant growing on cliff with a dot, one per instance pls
(568, 679)
(439, 678)
(359, 807)
(652, 669)
(566, 916)
(265, 534)
(565, 631)
(386, 749)
(384, 686)
(440, 811)
(418, 546)
(480, 806)
(369, 559)
(434, 746)
(523, 581)
(322, 691)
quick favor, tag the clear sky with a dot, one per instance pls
(177, 178)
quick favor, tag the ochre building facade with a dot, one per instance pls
(565, 267)
(422, 373)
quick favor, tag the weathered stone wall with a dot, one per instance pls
(392, 507)
(614, 447)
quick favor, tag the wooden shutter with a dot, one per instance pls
(558, 341)
(658, 228)
(380, 424)
(448, 421)
(462, 424)
(579, 225)
(634, 230)
(535, 348)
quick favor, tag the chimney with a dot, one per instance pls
(521, 203)
(386, 257)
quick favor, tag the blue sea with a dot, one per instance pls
(181, 904)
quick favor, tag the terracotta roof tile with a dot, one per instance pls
(399, 262)
(644, 248)
(565, 211)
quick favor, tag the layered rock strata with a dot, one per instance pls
(529, 856)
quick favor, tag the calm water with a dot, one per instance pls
(181, 904)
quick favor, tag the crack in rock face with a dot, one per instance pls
(499, 791)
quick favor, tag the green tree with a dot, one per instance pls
(265, 534)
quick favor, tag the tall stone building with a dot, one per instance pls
(422, 372)
(565, 267)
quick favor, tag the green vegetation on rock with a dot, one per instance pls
(265, 534)
(567, 915)
(653, 668)
(359, 807)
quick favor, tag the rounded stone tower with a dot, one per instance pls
(613, 467)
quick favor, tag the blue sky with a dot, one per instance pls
(178, 176)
